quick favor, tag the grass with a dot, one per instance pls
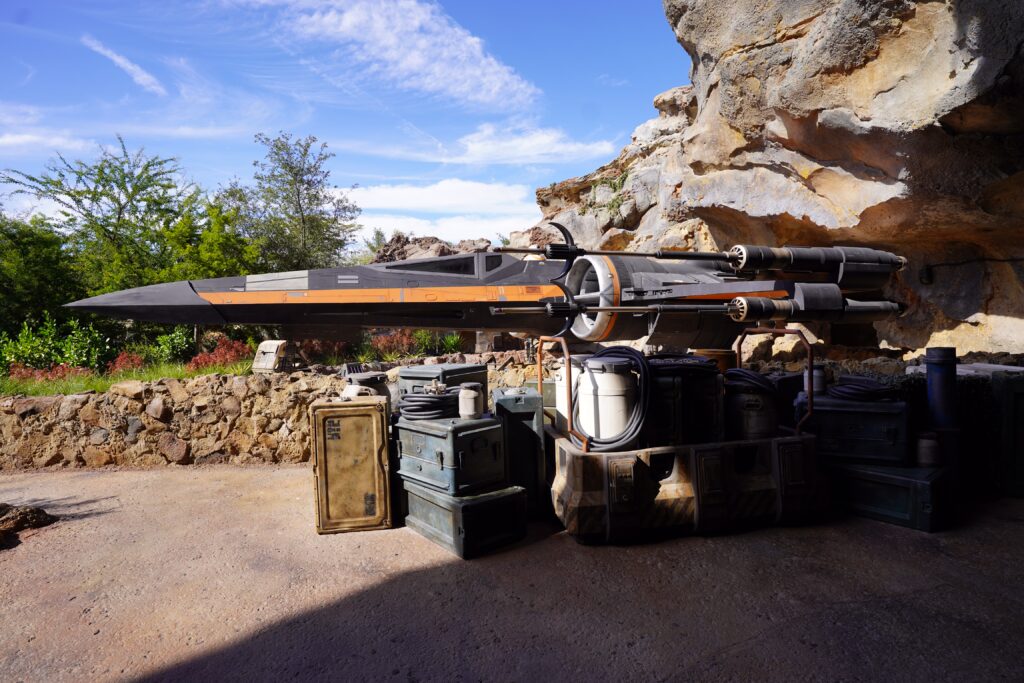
(100, 383)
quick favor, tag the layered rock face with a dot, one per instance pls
(887, 123)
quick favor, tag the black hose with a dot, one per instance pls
(430, 406)
(636, 420)
(741, 379)
(853, 388)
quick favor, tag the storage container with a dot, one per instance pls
(452, 455)
(915, 497)
(606, 397)
(522, 422)
(561, 397)
(412, 378)
(870, 432)
(627, 496)
(350, 464)
(686, 404)
(469, 526)
(368, 383)
(547, 390)
(1008, 388)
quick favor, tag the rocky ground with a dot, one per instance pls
(216, 573)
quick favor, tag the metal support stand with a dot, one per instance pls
(585, 440)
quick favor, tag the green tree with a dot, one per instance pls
(297, 218)
(114, 211)
(37, 272)
(207, 244)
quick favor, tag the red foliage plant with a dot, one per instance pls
(53, 373)
(321, 349)
(399, 341)
(124, 362)
(226, 352)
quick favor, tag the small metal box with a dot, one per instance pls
(522, 421)
(413, 378)
(452, 455)
(350, 464)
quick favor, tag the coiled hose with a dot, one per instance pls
(747, 380)
(430, 406)
(636, 419)
(853, 388)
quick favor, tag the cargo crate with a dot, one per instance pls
(469, 526)
(412, 378)
(350, 464)
(869, 432)
(521, 414)
(452, 455)
(915, 497)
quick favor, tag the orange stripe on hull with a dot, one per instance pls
(389, 295)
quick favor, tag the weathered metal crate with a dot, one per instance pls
(413, 378)
(452, 455)
(869, 432)
(521, 414)
(469, 526)
(915, 497)
(1009, 399)
(710, 488)
(350, 464)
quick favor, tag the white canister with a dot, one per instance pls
(607, 395)
(471, 401)
(561, 400)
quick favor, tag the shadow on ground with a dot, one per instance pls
(860, 601)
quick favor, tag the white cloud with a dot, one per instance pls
(142, 78)
(448, 196)
(452, 209)
(12, 114)
(450, 228)
(525, 145)
(490, 144)
(610, 81)
(32, 142)
(416, 46)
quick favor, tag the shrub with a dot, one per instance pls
(54, 373)
(426, 342)
(451, 342)
(394, 345)
(126, 361)
(175, 345)
(226, 352)
(46, 346)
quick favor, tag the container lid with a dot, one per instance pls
(618, 366)
(471, 386)
(940, 354)
(682, 365)
(579, 359)
(364, 378)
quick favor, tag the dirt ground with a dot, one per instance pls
(217, 573)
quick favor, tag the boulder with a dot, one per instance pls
(158, 409)
(18, 518)
(132, 388)
(173, 448)
(96, 457)
(892, 124)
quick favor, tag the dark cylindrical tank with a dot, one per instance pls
(941, 364)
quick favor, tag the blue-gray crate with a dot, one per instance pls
(413, 378)
(868, 432)
(468, 526)
(915, 497)
(521, 413)
(452, 455)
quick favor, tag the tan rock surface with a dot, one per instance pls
(894, 124)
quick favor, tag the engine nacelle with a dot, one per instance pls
(600, 281)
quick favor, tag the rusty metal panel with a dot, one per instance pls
(350, 464)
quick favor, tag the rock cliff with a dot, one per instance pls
(888, 123)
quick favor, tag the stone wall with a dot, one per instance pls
(207, 419)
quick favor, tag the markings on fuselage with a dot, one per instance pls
(471, 293)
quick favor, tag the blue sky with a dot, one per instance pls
(446, 115)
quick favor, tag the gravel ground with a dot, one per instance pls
(217, 573)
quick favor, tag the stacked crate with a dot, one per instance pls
(455, 472)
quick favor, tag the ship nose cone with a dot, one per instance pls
(173, 302)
